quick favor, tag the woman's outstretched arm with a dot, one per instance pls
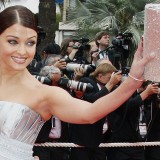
(74, 110)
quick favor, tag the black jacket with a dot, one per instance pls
(124, 121)
(89, 135)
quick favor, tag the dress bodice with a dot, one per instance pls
(19, 127)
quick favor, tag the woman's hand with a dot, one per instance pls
(139, 62)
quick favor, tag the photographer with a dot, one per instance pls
(102, 40)
(67, 51)
(56, 60)
(151, 112)
(53, 130)
(132, 122)
(75, 53)
(50, 49)
(90, 135)
(117, 52)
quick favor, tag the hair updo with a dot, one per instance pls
(17, 15)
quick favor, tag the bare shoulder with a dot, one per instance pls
(50, 94)
(53, 92)
(50, 98)
(44, 93)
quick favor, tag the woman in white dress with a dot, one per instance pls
(25, 103)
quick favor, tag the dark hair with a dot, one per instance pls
(99, 35)
(64, 45)
(52, 48)
(17, 14)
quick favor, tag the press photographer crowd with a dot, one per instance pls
(89, 70)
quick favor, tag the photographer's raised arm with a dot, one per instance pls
(74, 51)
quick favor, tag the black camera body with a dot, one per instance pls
(124, 73)
(125, 70)
(43, 79)
(83, 41)
(84, 46)
(122, 39)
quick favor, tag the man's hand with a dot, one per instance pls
(150, 90)
(115, 79)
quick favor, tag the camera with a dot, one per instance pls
(66, 83)
(122, 39)
(65, 59)
(84, 46)
(84, 43)
(73, 66)
(125, 71)
(44, 80)
(75, 85)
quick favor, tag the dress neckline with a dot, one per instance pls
(20, 104)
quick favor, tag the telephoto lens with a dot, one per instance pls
(73, 66)
(75, 85)
(44, 80)
(80, 86)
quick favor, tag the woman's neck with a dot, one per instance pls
(11, 77)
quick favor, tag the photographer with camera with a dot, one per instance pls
(75, 53)
(103, 79)
(56, 60)
(63, 81)
(132, 122)
(102, 40)
(54, 130)
(69, 49)
(68, 54)
(150, 119)
(49, 50)
(117, 52)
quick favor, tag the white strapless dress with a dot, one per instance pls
(19, 128)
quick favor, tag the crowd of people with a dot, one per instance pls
(90, 71)
(73, 95)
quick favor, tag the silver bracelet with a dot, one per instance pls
(136, 79)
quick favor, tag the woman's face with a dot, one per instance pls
(17, 47)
